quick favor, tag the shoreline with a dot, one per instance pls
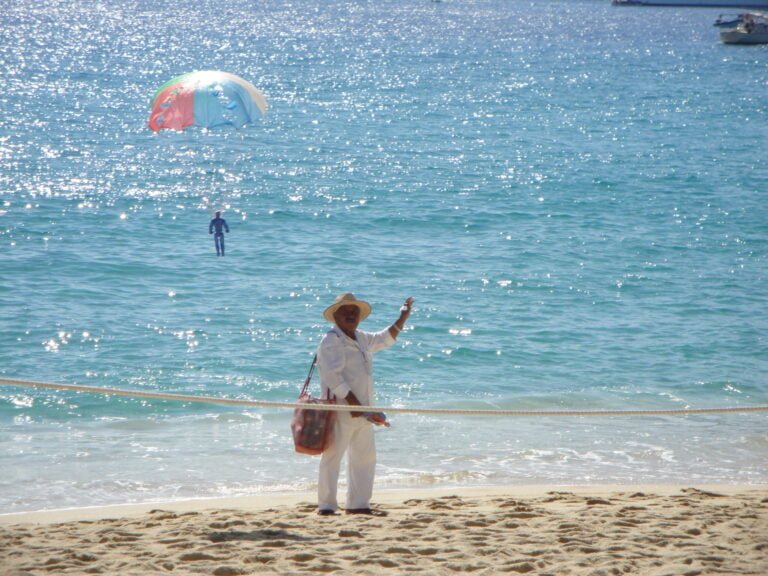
(388, 496)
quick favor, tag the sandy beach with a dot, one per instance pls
(596, 530)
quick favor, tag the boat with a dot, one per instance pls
(751, 28)
(728, 20)
(733, 20)
(696, 3)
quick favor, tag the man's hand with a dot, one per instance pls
(378, 418)
(353, 401)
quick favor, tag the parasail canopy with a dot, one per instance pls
(208, 99)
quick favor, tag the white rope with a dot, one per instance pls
(390, 409)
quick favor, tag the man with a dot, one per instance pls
(345, 361)
(218, 224)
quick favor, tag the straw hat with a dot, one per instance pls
(346, 299)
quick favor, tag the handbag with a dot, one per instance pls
(312, 429)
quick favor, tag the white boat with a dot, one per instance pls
(733, 20)
(728, 20)
(697, 3)
(752, 28)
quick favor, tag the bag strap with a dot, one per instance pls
(305, 388)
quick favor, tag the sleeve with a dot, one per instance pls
(379, 340)
(226, 226)
(330, 362)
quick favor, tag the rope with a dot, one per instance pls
(390, 409)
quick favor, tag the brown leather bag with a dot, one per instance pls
(312, 429)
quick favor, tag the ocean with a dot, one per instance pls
(573, 193)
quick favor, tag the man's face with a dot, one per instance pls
(347, 318)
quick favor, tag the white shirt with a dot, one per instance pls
(347, 365)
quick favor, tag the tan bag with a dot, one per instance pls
(312, 429)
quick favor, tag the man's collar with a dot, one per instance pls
(341, 332)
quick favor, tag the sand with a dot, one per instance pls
(679, 531)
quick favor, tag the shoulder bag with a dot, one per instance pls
(312, 429)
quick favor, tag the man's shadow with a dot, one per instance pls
(256, 536)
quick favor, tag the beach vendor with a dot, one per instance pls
(345, 362)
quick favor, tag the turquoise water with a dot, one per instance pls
(574, 194)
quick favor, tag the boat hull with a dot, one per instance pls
(739, 37)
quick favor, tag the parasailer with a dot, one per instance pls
(217, 227)
(207, 99)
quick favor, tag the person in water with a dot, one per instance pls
(218, 225)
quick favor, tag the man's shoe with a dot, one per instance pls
(366, 511)
(326, 513)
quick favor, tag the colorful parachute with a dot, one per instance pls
(206, 99)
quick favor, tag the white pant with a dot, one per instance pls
(356, 438)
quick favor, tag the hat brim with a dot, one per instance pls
(365, 309)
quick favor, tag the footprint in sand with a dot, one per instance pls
(196, 557)
(119, 537)
(259, 559)
(275, 544)
(520, 568)
(225, 525)
(451, 526)
(163, 515)
(399, 550)
(383, 562)
(229, 571)
(302, 558)
(324, 566)
(84, 557)
(510, 503)
(521, 515)
(176, 542)
(478, 523)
